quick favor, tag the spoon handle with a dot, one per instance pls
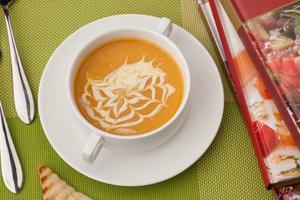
(10, 164)
(22, 94)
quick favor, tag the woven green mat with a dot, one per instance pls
(228, 170)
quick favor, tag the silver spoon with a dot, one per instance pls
(22, 94)
(10, 164)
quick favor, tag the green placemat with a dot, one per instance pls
(228, 170)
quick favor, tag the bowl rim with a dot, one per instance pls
(79, 58)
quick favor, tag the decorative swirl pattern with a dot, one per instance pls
(127, 96)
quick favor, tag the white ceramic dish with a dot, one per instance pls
(140, 168)
(134, 143)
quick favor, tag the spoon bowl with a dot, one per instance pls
(22, 94)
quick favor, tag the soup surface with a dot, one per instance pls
(128, 87)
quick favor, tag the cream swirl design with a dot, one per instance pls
(127, 96)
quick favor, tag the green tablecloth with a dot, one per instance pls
(228, 170)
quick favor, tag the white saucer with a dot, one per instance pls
(134, 169)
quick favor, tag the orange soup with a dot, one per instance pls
(128, 87)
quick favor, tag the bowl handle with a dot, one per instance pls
(165, 26)
(92, 147)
